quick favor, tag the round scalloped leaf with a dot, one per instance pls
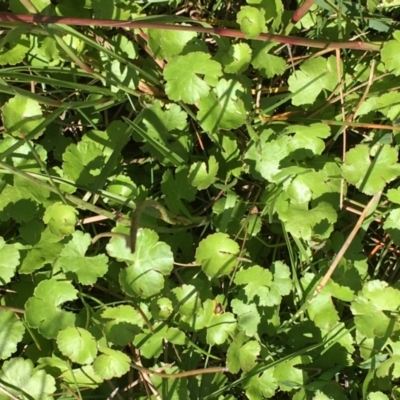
(152, 259)
(42, 311)
(21, 116)
(72, 260)
(111, 364)
(20, 377)
(203, 175)
(61, 219)
(251, 21)
(219, 327)
(168, 44)
(223, 108)
(15, 52)
(263, 386)
(371, 176)
(315, 75)
(242, 357)
(237, 59)
(247, 315)
(183, 80)
(217, 255)
(11, 332)
(77, 344)
(9, 260)
(122, 186)
(83, 162)
(269, 64)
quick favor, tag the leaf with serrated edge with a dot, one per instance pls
(111, 364)
(223, 108)
(21, 116)
(77, 344)
(217, 255)
(203, 175)
(152, 260)
(43, 311)
(182, 76)
(19, 376)
(247, 315)
(86, 270)
(371, 176)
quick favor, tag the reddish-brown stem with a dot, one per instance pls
(290, 40)
(302, 10)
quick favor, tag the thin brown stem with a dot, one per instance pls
(302, 10)
(269, 37)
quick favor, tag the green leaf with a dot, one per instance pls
(219, 327)
(121, 75)
(182, 76)
(165, 129)
(77, 344)
(223, 108)
(370, 309)
(15, 51)
(22, 378)
(84, 377)
(371, 176)
(152, 260)
(261, 386)
(392, 225)
(85, 270)
(251, 21)
(393, 195)
(248, 316)
(390, 54)
(177, 188)
(217, 255)
(306, 224)
(188, 300)
(42, 311)
(61, 219)
(315, 75)
(21, 116)
(269, 64)
(308, 137)
(268, 157)
(168, 44)
(9, 260)
(236, 59)
(377, 396)
(203, 175)
(11, 332)
(257, 281)
(288, 376)
(111, 364)
(124, 313)
(44, 252)
(151, 344)
(83, 162)
(242, 356)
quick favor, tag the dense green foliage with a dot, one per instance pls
(262, 153)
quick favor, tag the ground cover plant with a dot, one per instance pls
(200, 203)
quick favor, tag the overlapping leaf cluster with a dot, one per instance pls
(244, 149)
